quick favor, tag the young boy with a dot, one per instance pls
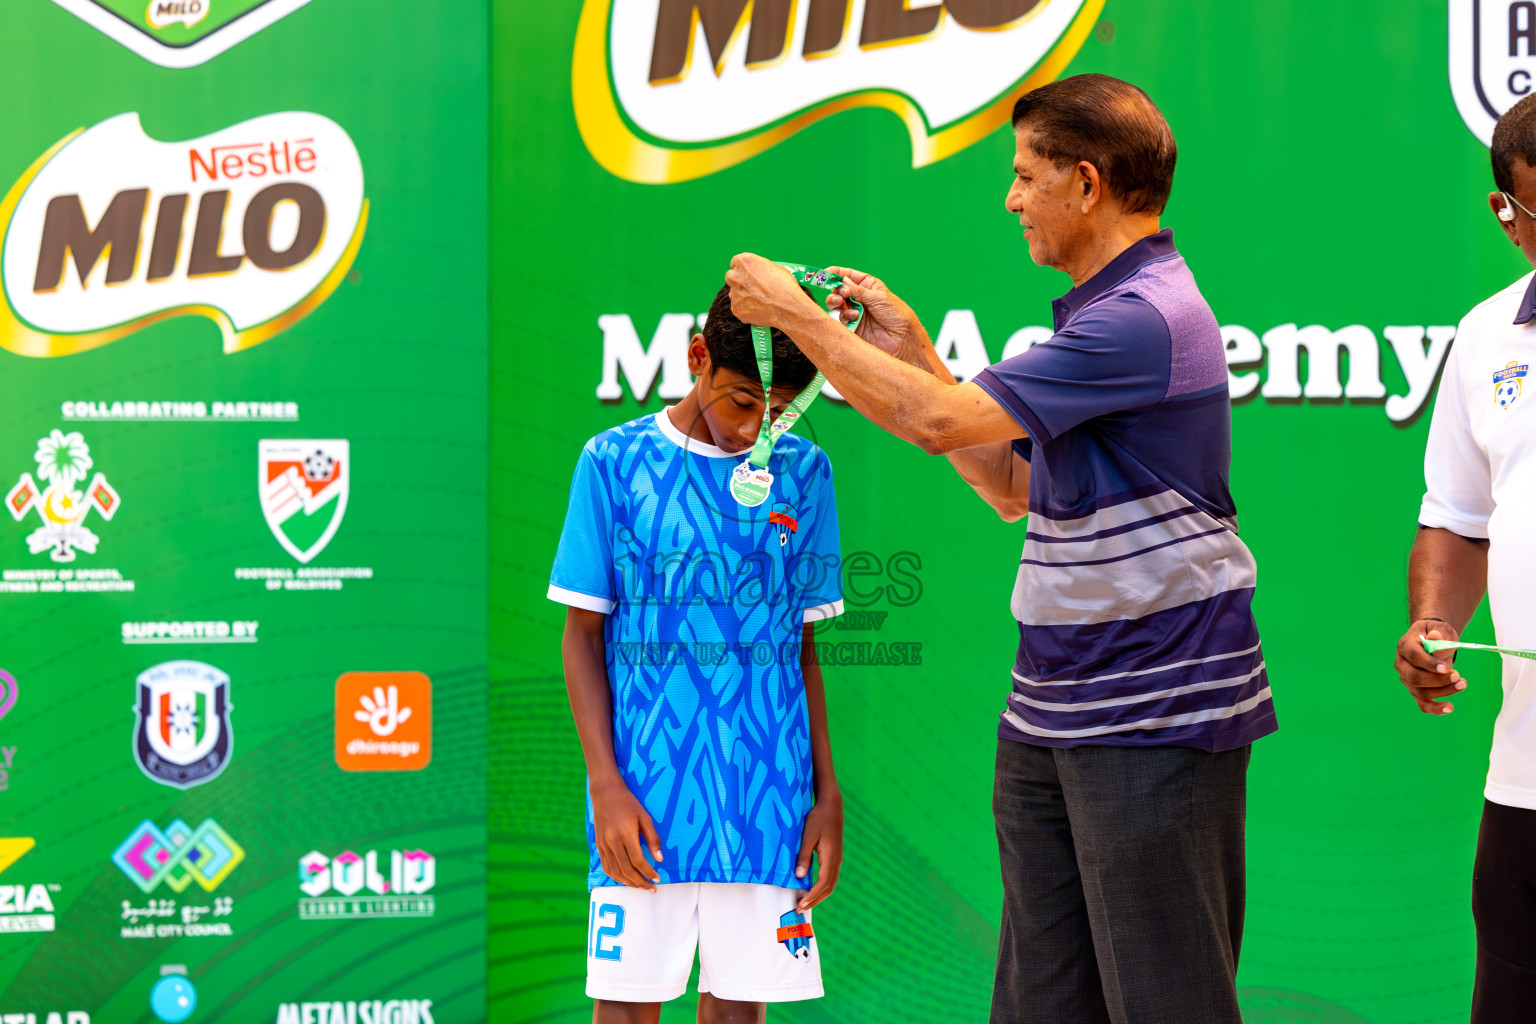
(694, 684)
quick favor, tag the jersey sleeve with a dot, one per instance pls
(824, 598)
(583, 572)
(1115, 356)
(1458, 485)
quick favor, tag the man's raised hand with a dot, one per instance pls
(762, 292)
(888, 322)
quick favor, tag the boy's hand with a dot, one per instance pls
(617, 820)
(823, 836)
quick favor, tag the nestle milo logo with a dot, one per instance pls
(110, 231)
(667, 90)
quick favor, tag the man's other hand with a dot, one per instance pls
(1429, 677)
(888, 322)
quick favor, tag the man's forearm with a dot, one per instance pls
(898, 396)
(1447, 577)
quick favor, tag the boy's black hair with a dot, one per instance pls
(730, 347)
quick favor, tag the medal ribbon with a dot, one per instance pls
(762, 346)
(1433, 646)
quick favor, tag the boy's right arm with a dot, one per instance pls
(618, 817)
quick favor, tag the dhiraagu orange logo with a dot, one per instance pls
(671, 90)
(111, 231)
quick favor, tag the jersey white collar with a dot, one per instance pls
(669, 430)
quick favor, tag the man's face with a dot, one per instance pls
(732, 405)
(1048, 203)
(1521, 230)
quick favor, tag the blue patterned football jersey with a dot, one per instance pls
(705, 602)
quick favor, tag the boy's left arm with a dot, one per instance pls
(823, 834)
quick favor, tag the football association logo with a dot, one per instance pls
(1506, 383)
(63, 462)
(182, 738)
(304, 487)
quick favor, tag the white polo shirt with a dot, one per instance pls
(1480, 480)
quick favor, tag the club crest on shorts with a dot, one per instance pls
(1506, 383)
(304, 487)
(795, 935)
(182, 738)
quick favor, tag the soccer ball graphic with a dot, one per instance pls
(1506, 393)
(319, 466)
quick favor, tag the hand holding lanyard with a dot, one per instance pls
(751, 481)
(1435, 646)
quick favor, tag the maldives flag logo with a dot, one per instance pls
(183, 738)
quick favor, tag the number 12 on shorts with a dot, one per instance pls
(604, 924)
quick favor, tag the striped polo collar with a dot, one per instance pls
(1153, 247)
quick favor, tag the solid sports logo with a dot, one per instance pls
(110, 231)
(353, 886)
(178, 856)
(63, 462)
(1492, 60)
(182, 738)
(669, 90)
(304, 486)
(180, 33)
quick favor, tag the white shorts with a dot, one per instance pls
(753, 946)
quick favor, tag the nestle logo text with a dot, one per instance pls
(253, 159)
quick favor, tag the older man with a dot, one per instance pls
(1475, 537)
(1139, 684)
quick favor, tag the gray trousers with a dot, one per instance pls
(1123, 884)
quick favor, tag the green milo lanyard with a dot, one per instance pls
(751, 481)
(1434, 646)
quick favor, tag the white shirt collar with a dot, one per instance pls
(669, 430)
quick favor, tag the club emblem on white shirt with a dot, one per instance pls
(1506, 383)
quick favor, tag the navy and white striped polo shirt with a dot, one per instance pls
(1134, 592)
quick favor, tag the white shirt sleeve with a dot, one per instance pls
(1458, 485)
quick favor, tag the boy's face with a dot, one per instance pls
(732, 405)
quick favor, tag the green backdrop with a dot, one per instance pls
(393, 362)
(1325, 177)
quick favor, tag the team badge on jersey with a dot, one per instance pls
(304, 487)
(795, 935)
(182, 738)
(783, 516)
(1506, 383)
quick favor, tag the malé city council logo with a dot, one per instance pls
(178, 856)
(110, 231)
(670, 90)
(182, 738)
(180, 33)
(63, 462)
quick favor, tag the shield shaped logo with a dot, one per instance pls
(304, 487)
(1492, 60)
(180, 33)
(182, 738)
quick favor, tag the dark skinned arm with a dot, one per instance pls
(823, 833)
(618, 817)
(1447, 577)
